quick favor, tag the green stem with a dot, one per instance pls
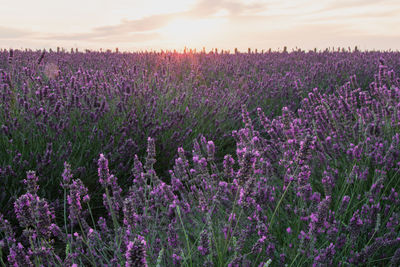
(237, 221)
(91, 216)
(279, 203)
(115, 222)
(294, 260)
(65, 212)
(85, 240)
(184, 232)
(1, 259)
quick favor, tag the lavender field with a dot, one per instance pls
(199, 159)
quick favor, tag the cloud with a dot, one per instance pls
(138, 29)
(308, 36)
(12, 33)
(145, 24)
(342, 4)
(206, 8)
(145, 29)
(342, 7)
(240, 23)
(355, 16)
(104, 38)
(142, 29)
(133, 37)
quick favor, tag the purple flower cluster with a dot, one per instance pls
(313, 181)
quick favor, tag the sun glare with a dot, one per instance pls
(191, 32)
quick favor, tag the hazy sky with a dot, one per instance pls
(173, 24)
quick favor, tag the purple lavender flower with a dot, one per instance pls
(31, 182)
(6, 228)
(204, 247)
(66, 175)
(210, 150)
(318, 219)
(10, 56)
(344, 204)
(136, 253)
(151, 154)
(41, 57)
(325, 256)
(113, 200)
(355, 224)
(258, 246)
(103, 171)
(173, 239)
(32, 211)
(19, 256)
(77, 194)
(395, 261)
(176, 259)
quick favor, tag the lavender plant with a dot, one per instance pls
(312, 181)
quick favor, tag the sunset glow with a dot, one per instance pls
(190, 33)
(138, 25)
(200, 133)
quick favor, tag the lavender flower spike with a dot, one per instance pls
(103, 171)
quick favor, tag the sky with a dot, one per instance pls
(138, 25)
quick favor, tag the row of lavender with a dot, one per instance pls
(58, 106)
(315, 185)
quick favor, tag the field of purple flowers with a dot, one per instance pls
(256, 159)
